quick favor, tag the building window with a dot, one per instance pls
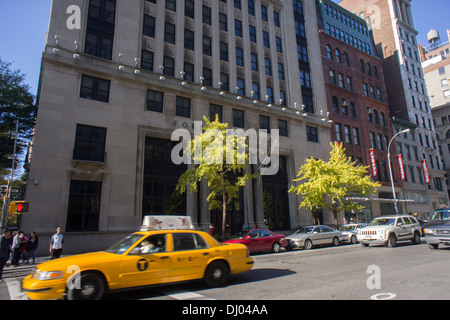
(95, 88)
(207, 46)
(223, 21)
(206, 15)
(169, 33)
(356, 140)
(189, 39)
(312, 134)
(83, 211)
(189, 9)
(305, 78)
(100, 28)
(147, 60)
(239, 57)
(329, 53)
(254, 61)
(183, 107)
(338, 129)
(283, 128)
(252, 32)
(155, 101)
(90, 143)
(264, 123)
(214, 110)
(238, 118)
(149, 26)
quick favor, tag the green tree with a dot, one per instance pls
(16, 104)
(216, 159)
(329, 184)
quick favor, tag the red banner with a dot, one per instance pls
(402, 169)
(425, 171)
(373, 164)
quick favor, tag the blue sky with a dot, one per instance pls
(24, 23)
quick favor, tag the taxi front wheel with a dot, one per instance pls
(92, 287)
(216, 274)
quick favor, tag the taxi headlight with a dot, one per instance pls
(48, 275)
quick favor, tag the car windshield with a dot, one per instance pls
(304, 230)
(124, 244)
(441, 215)
(239, 235)
(383, 222)
(348, 228)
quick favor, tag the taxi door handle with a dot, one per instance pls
(205, 253)
(165, 257)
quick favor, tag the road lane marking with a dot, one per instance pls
(15, 289)
(178, 294)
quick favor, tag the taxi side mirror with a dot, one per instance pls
(247, 237)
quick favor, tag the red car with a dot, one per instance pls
(259, 240)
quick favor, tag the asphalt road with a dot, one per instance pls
(348, 272)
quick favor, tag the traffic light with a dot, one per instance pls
(18, 207)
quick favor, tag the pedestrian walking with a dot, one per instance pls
(32, 245)
(4, 250)
(56, 244)
(15, 248)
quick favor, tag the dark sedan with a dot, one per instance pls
(260, 240)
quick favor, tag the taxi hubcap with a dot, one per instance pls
(217, 273)
(87, 290)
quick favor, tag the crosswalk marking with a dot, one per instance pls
(183, 295)
(15, 289)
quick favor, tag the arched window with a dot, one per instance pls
(337, 53)
(335, 104)
(369, 70)
(346, 59)
(363, 66)
(375, 72)
(447, 135)
(375, 115)
(352, 109)
(383, 119)
(369, 114)
(329, 53)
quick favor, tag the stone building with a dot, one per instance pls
(112, 92)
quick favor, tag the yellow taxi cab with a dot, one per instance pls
(165, 250)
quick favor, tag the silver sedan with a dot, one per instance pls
(310, 236)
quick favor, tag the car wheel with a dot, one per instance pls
(308, 244)
(92, 286)
(216, 274)
(335, 241)
(353, 240)
(433, 246)
(276, 247)
(416, 239)
(392, 242)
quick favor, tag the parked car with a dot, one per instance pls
(350, 231)
(437, 230)
(388, 230)
(260, 240)
(309, 236)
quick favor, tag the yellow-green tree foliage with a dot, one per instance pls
(329, 184)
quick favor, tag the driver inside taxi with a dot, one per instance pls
(150, 247)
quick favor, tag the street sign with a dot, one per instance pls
(14, 190)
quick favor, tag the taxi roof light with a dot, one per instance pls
(166, 222)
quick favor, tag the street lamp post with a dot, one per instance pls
(390, 167)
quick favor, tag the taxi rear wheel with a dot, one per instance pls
(92, 287)
(216, 274)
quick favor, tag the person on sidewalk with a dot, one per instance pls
(4, 250)
(56, 244)
(15, 248)
(32, 245)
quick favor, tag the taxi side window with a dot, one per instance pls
(153, 244)
(188, 241)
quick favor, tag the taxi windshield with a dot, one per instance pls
(441, 215)
(124, 244)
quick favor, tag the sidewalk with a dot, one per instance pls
(23, 269)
